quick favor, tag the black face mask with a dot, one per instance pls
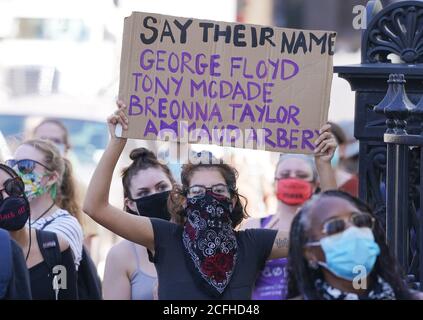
(14, 213)
(154, 206)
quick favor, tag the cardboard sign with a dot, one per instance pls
(229, 84)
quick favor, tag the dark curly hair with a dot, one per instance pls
(301, 278)
(229, 173)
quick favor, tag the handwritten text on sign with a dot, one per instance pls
(215, 82)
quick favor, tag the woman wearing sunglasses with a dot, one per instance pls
(202, 255)
(56, 131)
(338, 252)
(297, 178)
(48, 184)
(43, 250)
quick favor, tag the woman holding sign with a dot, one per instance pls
(201, 256)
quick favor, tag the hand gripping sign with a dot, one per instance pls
(229, 84)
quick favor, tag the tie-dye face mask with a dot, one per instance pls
(33, 186)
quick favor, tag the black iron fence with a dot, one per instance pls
(404, 218)
(389, 126)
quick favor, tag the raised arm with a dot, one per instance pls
(325, 148)
(96, 204)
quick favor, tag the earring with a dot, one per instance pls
(313, 264)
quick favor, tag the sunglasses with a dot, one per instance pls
(13, 187)
(358, 219)
(25, 166)
(337, 225)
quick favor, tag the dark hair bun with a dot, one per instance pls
(206, 156)
(142, 154)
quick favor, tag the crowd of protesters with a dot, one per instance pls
(190, 237)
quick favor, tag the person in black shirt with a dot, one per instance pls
(202, 255)
(47, 255)
(14, 277)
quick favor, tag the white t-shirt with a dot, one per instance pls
(64, 224)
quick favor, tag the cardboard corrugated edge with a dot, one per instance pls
(124, 65)
(328, 89)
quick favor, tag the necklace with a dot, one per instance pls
(43, 214)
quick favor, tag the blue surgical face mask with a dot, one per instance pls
(350, 253)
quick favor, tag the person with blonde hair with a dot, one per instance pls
(55, 130)
(50, 190)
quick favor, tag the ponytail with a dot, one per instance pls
(67, 197)
(64, 191)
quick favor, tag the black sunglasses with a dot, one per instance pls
(25, 165)
(358, 219)
(337, 225)
(13, 187)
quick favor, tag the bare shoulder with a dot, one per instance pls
(121, 258)
(63, 244)
(123, 251)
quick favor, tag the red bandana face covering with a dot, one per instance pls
(294, 191)
(210, 241)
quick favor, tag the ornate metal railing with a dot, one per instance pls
(388, 124)
(404, 174)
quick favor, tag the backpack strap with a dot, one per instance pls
(89, 283)
(5, 262)
(51, 257)
(49, 248)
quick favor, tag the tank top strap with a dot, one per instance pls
(137, 257)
